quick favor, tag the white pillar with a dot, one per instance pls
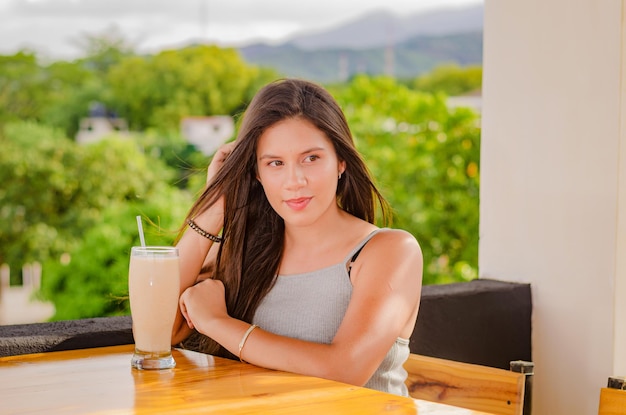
(27, 275)
(619, 366)
(36, 276)
(5, 277)
(553, 185)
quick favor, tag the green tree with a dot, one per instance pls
(38, 169)
(425, 159)
(450, 79)
(157, 91)
(104, 50)
(59, 94)
(23, 87)
(172, 149)
(54, 189)
(92, 279)
(72, 89)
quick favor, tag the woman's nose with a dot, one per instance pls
(295, 177)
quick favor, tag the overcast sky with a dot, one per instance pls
(54, 28)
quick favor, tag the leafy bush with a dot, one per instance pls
(425, 159)
(62, 199)
(92, 279)
(450, 79)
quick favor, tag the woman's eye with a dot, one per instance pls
(311, 158)
(275, 163)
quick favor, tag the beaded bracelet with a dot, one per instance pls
(244, 339)
(204, 233)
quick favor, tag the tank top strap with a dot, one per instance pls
(351, 257)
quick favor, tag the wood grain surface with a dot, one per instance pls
(101, 381)
(612, 402)
(477, 387)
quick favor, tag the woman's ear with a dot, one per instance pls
(342, 167)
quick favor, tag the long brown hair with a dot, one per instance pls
(253, 233)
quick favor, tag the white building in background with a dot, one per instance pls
(100, 123)
(93, 129)
(18, 303)
(474, 102)
(207, 133)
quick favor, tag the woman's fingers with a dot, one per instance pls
(203, 303)
(183, 309)
(219, 158)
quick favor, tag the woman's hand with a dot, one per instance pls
(216, 212)
(218, 160)
(203, 303)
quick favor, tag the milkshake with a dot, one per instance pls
(153, 284)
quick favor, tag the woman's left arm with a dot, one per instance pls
(386, 279)
(387, 286)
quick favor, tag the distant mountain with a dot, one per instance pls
(378, 43)
(380, 29)
(406, 60)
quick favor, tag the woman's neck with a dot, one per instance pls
(316, 233)
(322, 244)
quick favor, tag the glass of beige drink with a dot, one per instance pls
(153, 285)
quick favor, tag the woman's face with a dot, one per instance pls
(298, 168)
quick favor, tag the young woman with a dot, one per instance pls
(300, 280)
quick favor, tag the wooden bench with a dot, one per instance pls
(613, 397)
(480, 388)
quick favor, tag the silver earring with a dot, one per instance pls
(339, 176)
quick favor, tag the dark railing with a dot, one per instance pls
(485, 322)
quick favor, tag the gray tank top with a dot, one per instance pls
(311, 306)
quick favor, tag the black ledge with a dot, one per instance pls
(483, 321)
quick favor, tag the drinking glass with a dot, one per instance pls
(153, 285)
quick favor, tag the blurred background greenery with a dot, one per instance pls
(72, 207)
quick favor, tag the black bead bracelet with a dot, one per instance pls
(204, 233)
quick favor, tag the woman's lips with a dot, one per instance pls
(298, 203)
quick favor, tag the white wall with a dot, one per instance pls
(619, 366)
(552, 207)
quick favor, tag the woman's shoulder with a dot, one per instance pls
(395, 237)
(391, 243)
(387, 251)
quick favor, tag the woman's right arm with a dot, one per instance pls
(194, 249)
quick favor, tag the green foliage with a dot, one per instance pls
(425, 159)
(157, 91)
(177, 153)
(23, 87)
(104, 50)
(73, 207)
(451, 80)
(39, 168)
(148, 91)
(72, 90)
(58, 95)
(92, 279)
(54, 189)
(64, 201)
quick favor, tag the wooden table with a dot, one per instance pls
(101, 381)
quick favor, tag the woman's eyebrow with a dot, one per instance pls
(307, 151)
